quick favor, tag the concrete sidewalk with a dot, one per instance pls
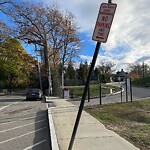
(91, 134)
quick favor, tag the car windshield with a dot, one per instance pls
(34, 90)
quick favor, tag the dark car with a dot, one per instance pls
(34, 94)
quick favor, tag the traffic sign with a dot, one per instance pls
(104, 21)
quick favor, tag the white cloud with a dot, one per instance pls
(131, 28)
(129, 37)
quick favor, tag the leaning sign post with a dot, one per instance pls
(101, 31)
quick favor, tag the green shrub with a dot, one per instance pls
(142, 82)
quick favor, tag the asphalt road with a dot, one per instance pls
(23, 124)
(137, 94)
(141, 92)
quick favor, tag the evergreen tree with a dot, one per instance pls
(70, 74)
(82, 72)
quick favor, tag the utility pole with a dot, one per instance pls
(39, 70)
(62, 86)
(49, 80)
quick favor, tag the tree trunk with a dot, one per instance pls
(56, 84)
(47, 69)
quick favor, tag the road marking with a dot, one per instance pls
(22, 126)
(34, 145)
(22, 135)
(21, 119)
(10, 104)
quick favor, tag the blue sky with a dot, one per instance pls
(129, 37)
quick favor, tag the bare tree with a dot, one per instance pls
(138, 70)
(70, 42)
(2, 2)
(106, 67)
(105, 70)
(5, 31)
(35, 23)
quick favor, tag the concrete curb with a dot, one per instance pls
(115, 93)
(142, 98)
(54, 143)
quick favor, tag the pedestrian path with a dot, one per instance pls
(91, 134)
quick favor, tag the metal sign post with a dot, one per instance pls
(126, 90)
(106, 8)
(121, 93)
(100, 94)
(84, 96)
(131, 90)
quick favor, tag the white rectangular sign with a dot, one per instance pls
(104, 21)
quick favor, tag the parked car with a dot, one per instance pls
(34, 94)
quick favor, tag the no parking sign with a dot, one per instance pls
(104, 21)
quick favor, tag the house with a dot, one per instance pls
(121, 75)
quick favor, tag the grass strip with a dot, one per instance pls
(77, 91)
(129, 120)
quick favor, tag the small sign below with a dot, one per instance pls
(104, 21)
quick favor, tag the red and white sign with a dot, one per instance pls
(104, 21)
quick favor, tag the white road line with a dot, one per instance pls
(34, 145)
(22, 126)
(22, 135)
(10, 104)
(21, 119)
